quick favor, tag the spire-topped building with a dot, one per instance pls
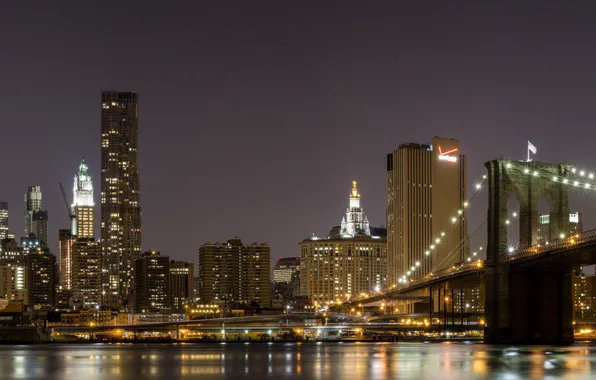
(354, 223)
(350, 260)
(83, 204)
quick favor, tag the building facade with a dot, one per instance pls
(40, 277)
(3, 220)
(426, 191)
(284, 268)
(83, 207)
(235, 272)
(33, 199)
(65, 242)
(576, 225)
(12, 281)
(349, 261)
(152, 283)
(584, 297)
(181, 284)
(120, 195)
(86, 271)
(39, 226)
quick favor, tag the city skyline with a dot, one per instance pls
(405, 101)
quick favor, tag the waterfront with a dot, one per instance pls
(292, 360)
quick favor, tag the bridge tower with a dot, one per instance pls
(526, 305)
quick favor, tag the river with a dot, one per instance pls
(326, 361)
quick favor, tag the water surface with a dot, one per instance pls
(296, 361)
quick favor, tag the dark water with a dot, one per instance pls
(303, 361)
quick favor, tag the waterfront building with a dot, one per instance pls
(86, 271)
(152, 283)
(584, 297)
(181, 284)
(40, 277)
(235, 272)
(120, 195)
(426, 187)
(349, 261)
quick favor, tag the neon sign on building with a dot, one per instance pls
(447, 156)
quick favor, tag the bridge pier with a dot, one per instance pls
(528, 307)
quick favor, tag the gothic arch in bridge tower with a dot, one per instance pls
(528, 182)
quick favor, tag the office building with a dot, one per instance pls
(181, 284)
(152, 282)
(235, 272)
(65, 242)
(426, 191)
(576, 225)
(86, 271)
(32, 204)
(12, 282)
(39, 226)
(40, 277)
(3, 220)
(286, 277)
(83, 206)
(284, 268)
(349, 261)
(11, 252)
(584, 297)
(120, 195)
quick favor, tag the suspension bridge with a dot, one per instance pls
(527, 290)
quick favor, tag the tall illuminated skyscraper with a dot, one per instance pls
(32, 205)
(426, 186)
(83, 204)
(120, 195)
(3, 220)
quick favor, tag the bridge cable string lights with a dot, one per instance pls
(574, 179)
(474, 257)
(457, 217)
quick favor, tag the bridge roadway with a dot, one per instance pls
(377, 327)
(578, 249)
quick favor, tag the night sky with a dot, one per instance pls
(255, 116)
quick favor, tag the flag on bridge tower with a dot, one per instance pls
(531, 149)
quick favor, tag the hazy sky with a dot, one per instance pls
(257, 115)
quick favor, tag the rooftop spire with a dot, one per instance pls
(354, 193)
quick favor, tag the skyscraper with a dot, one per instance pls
(65, 242)
(152, 285)
(3, 220)
(181, 284)
(39, 226)
(32, 204)
(83, 204)
(40, 277)
(120, 197)
(86, 271)
(426, 186)
(85, 259)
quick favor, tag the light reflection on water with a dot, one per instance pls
(309, 361)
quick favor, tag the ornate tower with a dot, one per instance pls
(354, 222)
